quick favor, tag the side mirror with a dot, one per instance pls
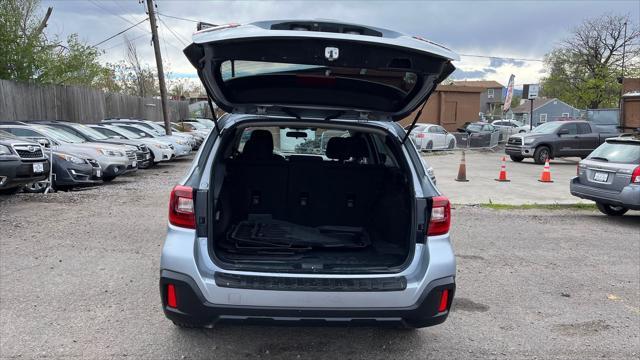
(44, 142)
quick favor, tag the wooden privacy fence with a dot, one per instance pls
(24, 101)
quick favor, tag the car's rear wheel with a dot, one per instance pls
(611, 210)
(516, 158)
(452, 144)
(429, 146)
(541, 154)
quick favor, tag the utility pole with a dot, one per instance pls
(156, 49)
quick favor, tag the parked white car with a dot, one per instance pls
(511, 126)
(432, 137)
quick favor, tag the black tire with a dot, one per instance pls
(522, 131)
(516, 158)
(611, 210)
(452, 144)
(541, 154)
(11, 191)
(108, 178)
(35, 188)
(429, 146)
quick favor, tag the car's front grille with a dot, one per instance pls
(398, 283)
(28, 151)
(515, 141)
(131, 154)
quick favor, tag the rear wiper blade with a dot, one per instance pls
(599, 158)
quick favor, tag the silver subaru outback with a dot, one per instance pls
(307, 203)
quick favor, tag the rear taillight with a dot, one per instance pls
(635, 176)
(444, 301)
(181, 207)
(440, 221)
(420, 135)
(172, 299)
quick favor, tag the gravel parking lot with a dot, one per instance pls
(79, 279)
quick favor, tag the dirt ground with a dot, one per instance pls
(79, 277)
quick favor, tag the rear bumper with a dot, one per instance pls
(193, 308)
(629, 197)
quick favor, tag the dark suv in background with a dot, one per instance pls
(21, 162)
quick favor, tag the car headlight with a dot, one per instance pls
(70, 158)
(107, 152)
(529, 141)
(4, 150)
(161, 146)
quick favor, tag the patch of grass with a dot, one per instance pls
(539, 206)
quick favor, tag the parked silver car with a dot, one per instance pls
(610, 176)
(160, 150)
(113, 159)
(271, 225)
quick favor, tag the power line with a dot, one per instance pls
(124, 42)
(500, 57)
(127, 29)
(177, 17)
(172, 32)
(110, 12)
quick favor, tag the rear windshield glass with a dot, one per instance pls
(261, 82)
(617, 152)
(307, 144)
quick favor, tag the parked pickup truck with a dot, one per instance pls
(556, 139)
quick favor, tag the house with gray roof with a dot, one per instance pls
(544, 110)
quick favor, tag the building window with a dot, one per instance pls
(490, 93)
(543, 118)
(565, 115)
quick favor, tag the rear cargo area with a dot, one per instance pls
(331, 211)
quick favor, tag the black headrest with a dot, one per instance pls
(338, 148)
(358, 147)
(259, 145)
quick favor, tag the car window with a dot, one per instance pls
(291, 141)
(583, 128)
(572, 128)
(433, 129)
(618, 152)
(440, 129)
(23, 132)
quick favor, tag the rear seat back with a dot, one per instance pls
(307, 191)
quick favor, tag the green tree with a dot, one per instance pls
(584, 69)
(27, 54)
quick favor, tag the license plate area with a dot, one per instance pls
(599, 176)
(38, 168)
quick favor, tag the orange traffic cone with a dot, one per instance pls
(502, 177)
(462, 170)
(546, 173)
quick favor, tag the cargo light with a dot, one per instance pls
(181, 210)
(440, 220)
(172, 300)
(444, 301)
(635, 176)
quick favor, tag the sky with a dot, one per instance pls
(504, 29)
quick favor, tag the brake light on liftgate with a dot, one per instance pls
(181, 210)
(635, 176)
(440, 220)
